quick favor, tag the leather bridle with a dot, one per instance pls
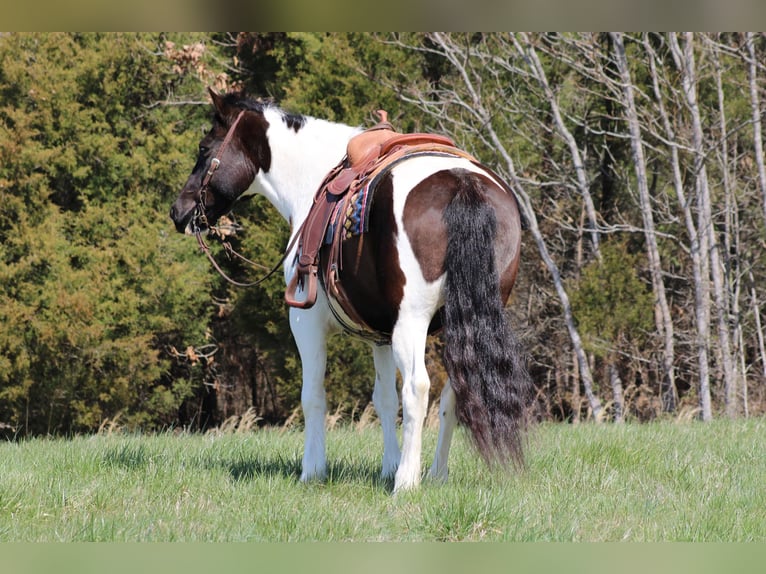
(214, 165)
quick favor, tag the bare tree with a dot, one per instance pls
(663, 317)
(729, 310)
(471, 66)
(618, 133)
(685, 62)
(526, 48)
(755, 104)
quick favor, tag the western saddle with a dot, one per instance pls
(367, 155)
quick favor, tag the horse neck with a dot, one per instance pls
(300, 159)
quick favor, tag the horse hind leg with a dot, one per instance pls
(408, 342)
(447, 422)
(386, 401)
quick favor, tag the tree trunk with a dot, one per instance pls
(727, 282)
(583, 186)
(558, 282)
(663, 318)
(617, 394)
(752, 71)
(757, 316)
(709, 253)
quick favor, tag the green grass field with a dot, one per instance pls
(652, 482)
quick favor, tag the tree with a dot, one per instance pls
(664, 320)
(613, 309)
(636, 159)
(547, 106)
(94, 287)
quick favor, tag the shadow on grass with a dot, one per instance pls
(127, 456)
(243, 467)
(249, 469)
(338, 472)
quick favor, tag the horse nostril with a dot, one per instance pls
(173, 213)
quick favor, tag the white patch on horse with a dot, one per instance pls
(299, 162)
(420, 301)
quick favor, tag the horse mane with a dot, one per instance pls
(240, 99)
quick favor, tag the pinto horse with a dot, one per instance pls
(441, 251)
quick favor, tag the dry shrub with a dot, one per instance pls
(367, 419)
(237, 424)
(110, 426)
(291, 421)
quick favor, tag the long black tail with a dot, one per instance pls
(482, 356)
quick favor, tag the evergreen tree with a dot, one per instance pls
(94, 286)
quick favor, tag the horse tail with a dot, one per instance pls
(483, 358)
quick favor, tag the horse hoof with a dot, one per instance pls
(317, 475)
(389, 471)
(438, 476)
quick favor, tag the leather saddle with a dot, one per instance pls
(367, 154)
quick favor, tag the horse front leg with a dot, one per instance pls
(386, 401)
(311, 338)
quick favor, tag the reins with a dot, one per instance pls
(230, 251)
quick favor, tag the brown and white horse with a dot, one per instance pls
(442, 248)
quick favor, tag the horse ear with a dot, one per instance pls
(217, 100)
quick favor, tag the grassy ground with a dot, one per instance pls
(664, 481)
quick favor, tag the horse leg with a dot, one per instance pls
(447, 422)
(408, 341)
(311, 339)
(386, 402)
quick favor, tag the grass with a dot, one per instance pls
(652, 482)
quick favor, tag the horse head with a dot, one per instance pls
(230, 156)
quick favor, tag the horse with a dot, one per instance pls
(441, 252)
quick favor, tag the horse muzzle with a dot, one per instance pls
(189, 220)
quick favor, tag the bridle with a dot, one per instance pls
(200, 216)
(214, 164)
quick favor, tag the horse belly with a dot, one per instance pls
(369, 271)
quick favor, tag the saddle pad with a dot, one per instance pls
(355, 218)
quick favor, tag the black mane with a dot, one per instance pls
(242, 101)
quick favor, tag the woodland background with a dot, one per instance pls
(638, 161)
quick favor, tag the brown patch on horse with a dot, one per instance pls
(370, 272)
(255, 141)
(427, 232)
(423, 223)
(507, 239)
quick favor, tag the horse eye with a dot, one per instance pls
(203, 149)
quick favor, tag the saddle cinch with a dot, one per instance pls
(367, 155)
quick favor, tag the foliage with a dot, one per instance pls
(611, 303)
(108, 313)
(95, 287)
(339, 77)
